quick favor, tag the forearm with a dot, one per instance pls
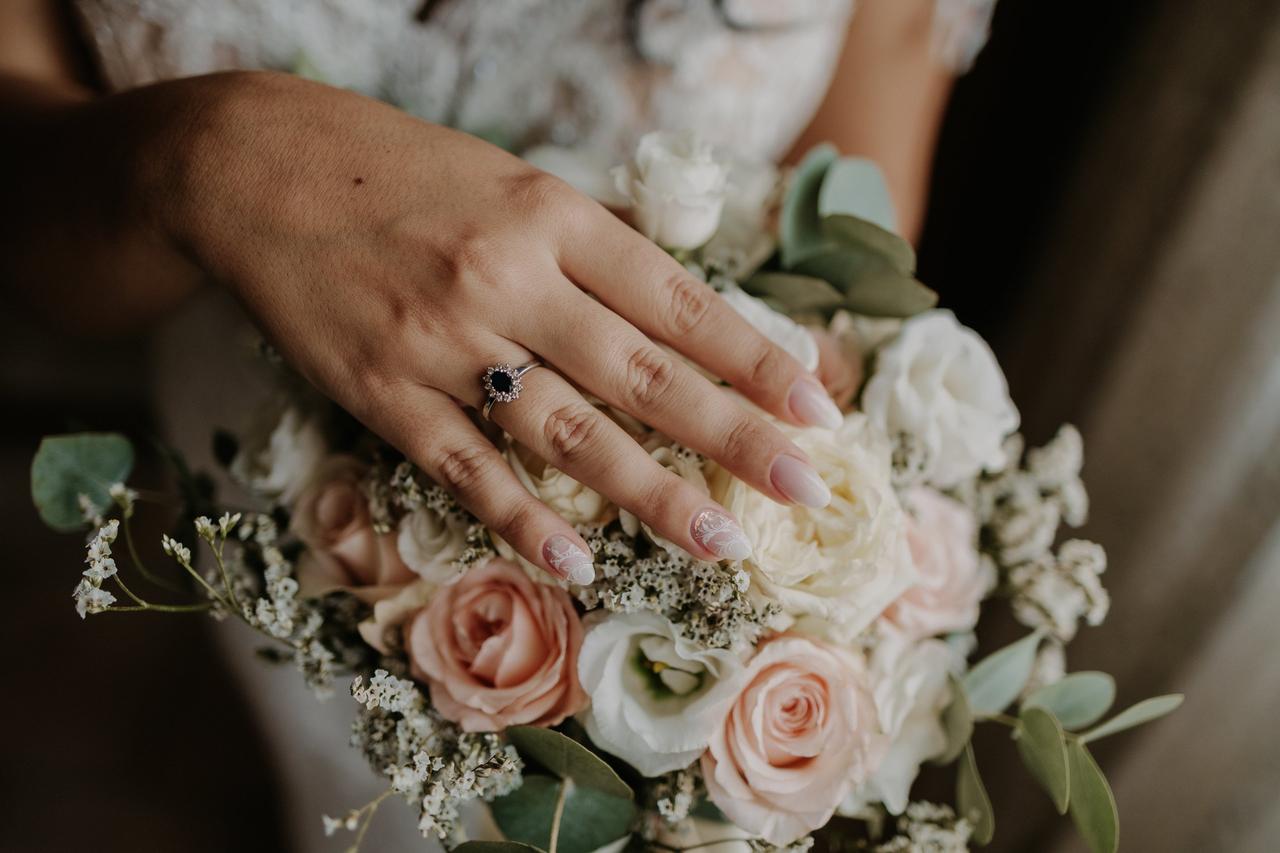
(80, 235)
(886, 100)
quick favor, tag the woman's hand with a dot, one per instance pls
(391, 261)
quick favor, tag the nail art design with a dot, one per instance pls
(721, 535)
(569, 561)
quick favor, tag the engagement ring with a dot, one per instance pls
(503, 384)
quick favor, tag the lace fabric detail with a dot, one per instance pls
(571, 73)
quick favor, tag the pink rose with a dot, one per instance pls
(332, 519)
(802, 733)
(498, 649)
(951, 580)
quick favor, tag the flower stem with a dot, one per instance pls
(137, 561)
(557, 815)
(160, 608)
(371, 807)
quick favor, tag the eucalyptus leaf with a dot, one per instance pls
(796, 292)
(1093, 806)
(870, 285)
(1043, 748)
(800, 227)
(957, 722)
(1135, 715)
(998, 679)
(495, 847)
(67, 466)
(565, 757)
(855, 186)
(850, 230)
(972, 799)
(590, 820)
(1077, 700)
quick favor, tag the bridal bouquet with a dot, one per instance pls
(673, 703)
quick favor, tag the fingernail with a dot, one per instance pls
(797, 479)
(721, 535)
(812, 405)
(569, 561)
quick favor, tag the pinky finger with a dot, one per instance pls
(432, 430)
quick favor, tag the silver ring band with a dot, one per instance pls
(503, 383)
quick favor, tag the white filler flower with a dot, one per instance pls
(656, 698)
(939, 384)
(677, 188)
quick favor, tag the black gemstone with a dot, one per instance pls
(501, 382)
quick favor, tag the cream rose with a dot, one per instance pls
(278, 460)
(834, 569)
(911, 690)
(802, 733)
(497, 649)
(568, 498)
(676, 185)
(429, 543)
(777, 327)
(951, 580)
(343, 551)
(939, 383)
(656, 698)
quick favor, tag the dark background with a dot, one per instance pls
(125, 733)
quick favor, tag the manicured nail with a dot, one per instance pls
(568, 560)
(797, 479)
(721, 535)
(812, 405)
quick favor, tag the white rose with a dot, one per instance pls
(278, 461)
(777, 327)
(686, 465)
(911, 691)
(744, 239)
(656, 698)
(939, 383)
(835, 569)
(571, 500)
(428, 543)
(676, 186)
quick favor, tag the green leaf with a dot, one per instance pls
(565, 757)
(590, 820)
(1093, 806)
(972, 799)
(1077, 700)
(495, 847)
(869, 284)
(852, 231)
(855, 186)
(796, 292)
(1135, 715)
(957, 721)
(1043, 748)
(800, 229)
(67, 466)
(998, 679)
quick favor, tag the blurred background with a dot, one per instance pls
(1106, 211)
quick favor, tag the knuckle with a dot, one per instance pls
(537, 192)
(745, 439)
(663, 490)
(767, 368)
(571, 431)
(689, 301)
(521, 518)
(473, 254)
(462, 469)
(649, 373)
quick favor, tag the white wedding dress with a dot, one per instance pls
(588, 74)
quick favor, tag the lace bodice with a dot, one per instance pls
(593, 74)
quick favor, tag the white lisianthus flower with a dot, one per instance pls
(834, 569)
(677, 188)
(656, 698)
(429, 543)
(911, 690)
(777, 327)
(277, 460)
(939, 384)
(572, 501)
